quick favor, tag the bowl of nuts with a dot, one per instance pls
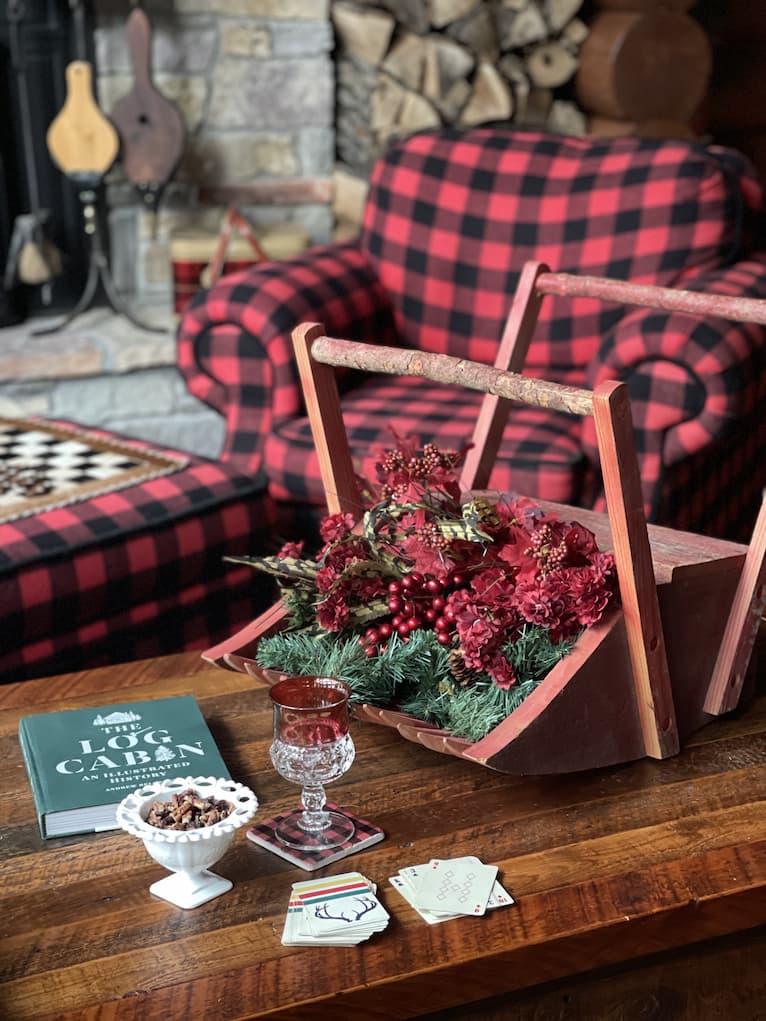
(187, 824)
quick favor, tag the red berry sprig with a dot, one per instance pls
(415, 602)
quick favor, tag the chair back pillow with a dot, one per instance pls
(452, 216)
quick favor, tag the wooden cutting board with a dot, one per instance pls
(150, 125)
(80, 138)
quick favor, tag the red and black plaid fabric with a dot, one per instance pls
(545, 454)
(451, 218)
(697, 388)
(132, 573)
(235, 348)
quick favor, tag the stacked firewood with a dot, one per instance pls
(408, 65)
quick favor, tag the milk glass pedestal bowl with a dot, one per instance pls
(188, 853)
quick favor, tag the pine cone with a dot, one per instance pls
(464, 675)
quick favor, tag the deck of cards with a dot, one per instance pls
(447, 888)
(337, 911)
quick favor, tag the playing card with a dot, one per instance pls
(499, 898)
(292, 935)
(333, 884)
(411, 875)
(456, 885)
(408, 880)
(432, 917)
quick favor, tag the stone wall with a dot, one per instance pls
(254, 80)
(100, 371)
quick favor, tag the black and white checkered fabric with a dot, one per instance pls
(35, 462)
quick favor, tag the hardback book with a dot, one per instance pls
(83, 762)
(365, 835)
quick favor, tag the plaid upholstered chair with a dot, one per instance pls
(451, 218)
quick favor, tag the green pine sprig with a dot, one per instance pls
(473, 711)
(533, 654)
(382, 680)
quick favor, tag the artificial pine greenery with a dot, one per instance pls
(415, 676)
(380, 680)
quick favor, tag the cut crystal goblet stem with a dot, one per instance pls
(312, 747)
(314, 818)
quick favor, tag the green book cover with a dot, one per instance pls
(83, 762)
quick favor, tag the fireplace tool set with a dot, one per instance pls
(147, 132)
(32, 257)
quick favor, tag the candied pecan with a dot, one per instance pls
(188, 810)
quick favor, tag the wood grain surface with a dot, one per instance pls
(653, 867)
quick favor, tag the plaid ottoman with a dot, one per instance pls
(112, 551)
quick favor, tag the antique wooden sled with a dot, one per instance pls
(676, 653)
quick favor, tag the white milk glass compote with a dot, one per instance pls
(312, 747)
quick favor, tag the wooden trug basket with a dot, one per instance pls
(673, 656)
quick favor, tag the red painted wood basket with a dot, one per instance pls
(674, 656)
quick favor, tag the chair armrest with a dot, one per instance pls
(234, 340)
(690, 380)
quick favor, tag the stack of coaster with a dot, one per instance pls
(339, 911)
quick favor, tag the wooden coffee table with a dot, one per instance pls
(641, 888)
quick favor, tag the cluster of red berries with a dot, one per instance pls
(416, 602)
(431, 535)
(548, 556)
(416, 468)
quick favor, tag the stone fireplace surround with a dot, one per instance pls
(260, 84)
(284, 100)
(254, 81)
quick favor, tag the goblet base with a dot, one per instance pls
(189, 890)
(337, 832)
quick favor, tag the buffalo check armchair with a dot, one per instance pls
(450, 220)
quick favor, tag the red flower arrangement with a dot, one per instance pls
(459, 585)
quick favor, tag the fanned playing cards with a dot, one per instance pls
(445, 888)
(365, 834)
(338, 911)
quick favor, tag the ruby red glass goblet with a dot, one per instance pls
(312, 747)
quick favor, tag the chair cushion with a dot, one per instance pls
(540, 454)
(453, 215)
(132, 573)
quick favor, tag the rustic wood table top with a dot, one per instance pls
(607, 867)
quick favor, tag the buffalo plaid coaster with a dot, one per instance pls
(365, 835)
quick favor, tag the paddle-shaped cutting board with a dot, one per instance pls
(150, 125)
(80, 138)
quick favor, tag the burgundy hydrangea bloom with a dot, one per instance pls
(501, 672)
(291, 549)
(478, 634)
(592, 588)
(335, 527)
(339, 555)
(326, 578)
(332, 612)
(478, 575)
(543, 602)
(495, 585)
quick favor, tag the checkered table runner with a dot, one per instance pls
(45, 465)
